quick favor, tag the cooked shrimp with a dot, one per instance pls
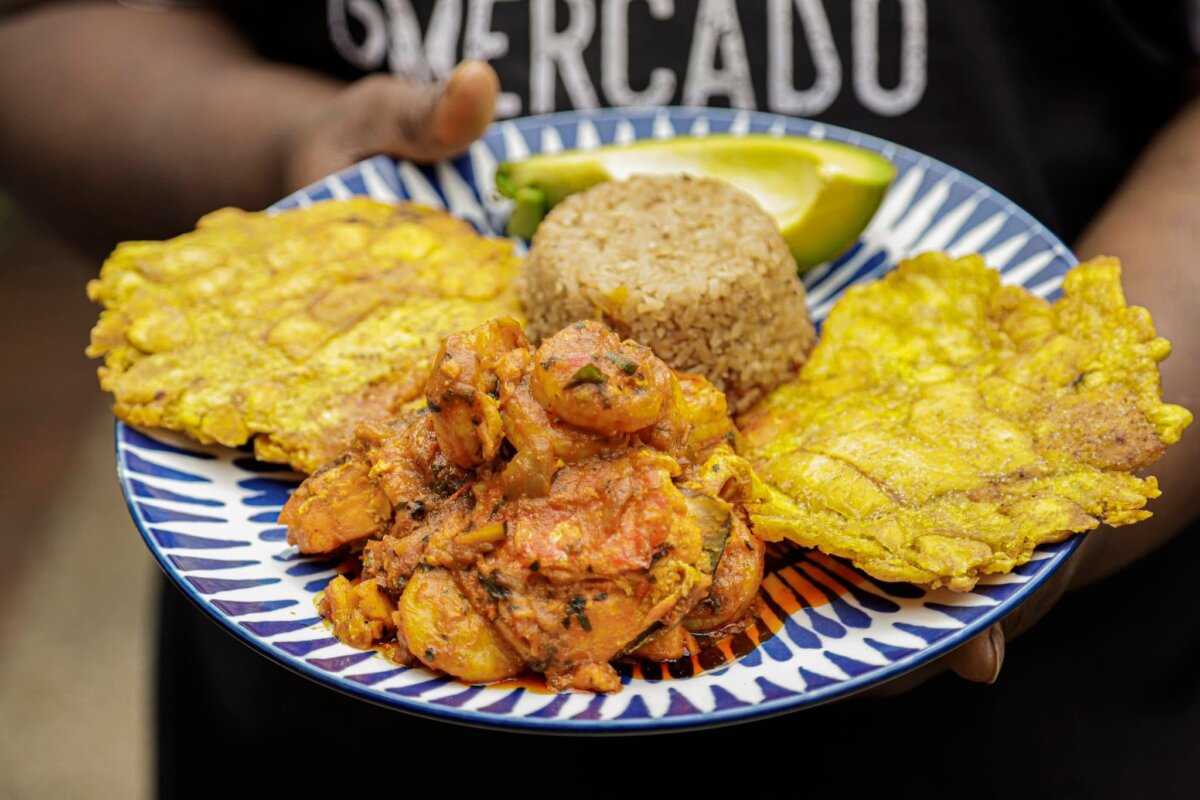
(551, 511)
(543, 443)
(587, 376)
(463, 391)
(445, 632)
(339, 503)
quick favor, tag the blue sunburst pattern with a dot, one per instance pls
(822, 631)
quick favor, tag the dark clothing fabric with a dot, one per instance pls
(1100, 699)
(1049, 102)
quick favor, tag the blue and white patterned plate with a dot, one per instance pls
(208, 514)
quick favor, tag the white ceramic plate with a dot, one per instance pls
(208, 514)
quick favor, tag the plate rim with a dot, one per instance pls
(692, 721)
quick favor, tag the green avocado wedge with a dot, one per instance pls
(821, 193)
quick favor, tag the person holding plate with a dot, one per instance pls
(1084, 114)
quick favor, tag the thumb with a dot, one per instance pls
(426, 122)
(394, 116)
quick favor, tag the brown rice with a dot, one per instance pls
(692, 267)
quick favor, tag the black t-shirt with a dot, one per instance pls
(1049, 102)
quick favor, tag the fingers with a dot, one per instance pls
(980, 659)
(384, 114)
(982, 656)
(426, 122)
(467, 105)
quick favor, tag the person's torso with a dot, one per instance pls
(1048, 102)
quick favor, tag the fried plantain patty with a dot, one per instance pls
(946, 425)
(290, 329)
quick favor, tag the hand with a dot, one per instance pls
(980, 658)
(393, 116)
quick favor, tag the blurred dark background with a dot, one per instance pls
(75, 605)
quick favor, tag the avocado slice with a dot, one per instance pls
(821, 193)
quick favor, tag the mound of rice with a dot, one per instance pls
(692, 267)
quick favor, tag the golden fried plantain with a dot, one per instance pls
(291, 328)
(946, 425)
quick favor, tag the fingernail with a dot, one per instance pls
(996, 643)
